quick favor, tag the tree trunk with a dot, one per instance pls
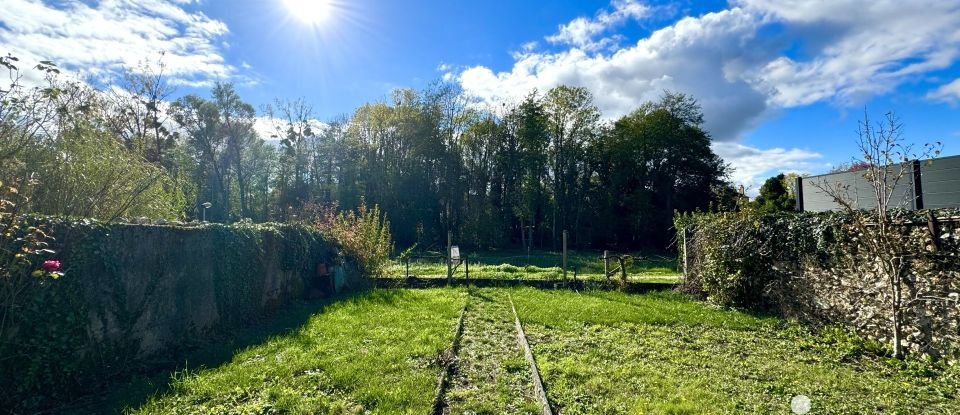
(896, 265)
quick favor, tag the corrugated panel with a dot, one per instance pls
(941, 183)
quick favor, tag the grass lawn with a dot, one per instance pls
(543, 265)
(602, 352)
(598, 352)
(373, 353)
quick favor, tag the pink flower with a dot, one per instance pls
(51, 265)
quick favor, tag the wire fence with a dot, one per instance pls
(536, 265)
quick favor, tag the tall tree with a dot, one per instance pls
(236, 119)
(653, 162)
(572, 124)
(774, 196)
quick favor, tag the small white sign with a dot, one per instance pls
(455, 253)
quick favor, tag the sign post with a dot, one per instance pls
(449, 257)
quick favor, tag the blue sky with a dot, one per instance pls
(782, 83)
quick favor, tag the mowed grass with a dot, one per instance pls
(598, 352)
(492, 376)
(615, 353)
(375, 352)
(539, 265)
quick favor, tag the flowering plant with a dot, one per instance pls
(22, 244)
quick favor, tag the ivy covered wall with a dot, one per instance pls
(813, 267)
(136, 292)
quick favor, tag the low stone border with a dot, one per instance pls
(450, 360)
(534, 372)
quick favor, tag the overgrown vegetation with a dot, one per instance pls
(515, 176)
(23, 245)
(813, 266)
(886, 161)
(58, 136)
(363, 234)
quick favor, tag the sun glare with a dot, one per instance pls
(309, 11)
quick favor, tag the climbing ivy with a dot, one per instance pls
(134, 291)
(813, 266)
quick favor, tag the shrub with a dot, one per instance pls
(22, 246)
(364, 234)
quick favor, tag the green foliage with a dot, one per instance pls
(517, 177)
(653, 162)
(739, 254)
(815, 267)
(86, 172)
(22, 245)
(774, 196)
(364, 234)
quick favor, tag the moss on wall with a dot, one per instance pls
(133, 293)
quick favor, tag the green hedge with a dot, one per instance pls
(734, 256)
(134, 292)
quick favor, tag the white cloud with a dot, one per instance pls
(580, 32)
(745, 63)
(700, 56)
(860, 49)
(751, 166)
(947, 93)
(267, 127)
(100, 40)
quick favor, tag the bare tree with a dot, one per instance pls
(138, 109)
(27, 113)
(886, 162)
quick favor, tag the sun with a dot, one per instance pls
(312, 12)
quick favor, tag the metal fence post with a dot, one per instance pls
(798, 193)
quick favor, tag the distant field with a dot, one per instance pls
(539, 265)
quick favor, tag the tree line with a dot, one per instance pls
(433, 160)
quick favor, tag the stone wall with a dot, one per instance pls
(812, 268)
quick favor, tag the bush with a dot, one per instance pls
(87, 173)
(364, 234)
